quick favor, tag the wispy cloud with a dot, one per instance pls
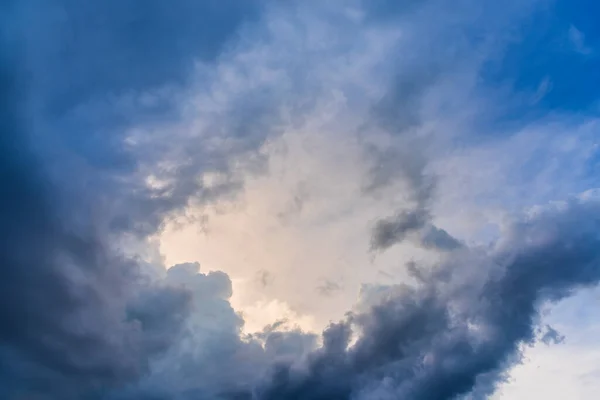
(577, 39)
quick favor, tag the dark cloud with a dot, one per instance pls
(265, 278)
(436, 238)
(77, 317)
(92, 72)
(413, 225)
(552, 336)
(60, 288)
(328, 288)
(407, 164)
(394, 230)
(120, 46)
(202, 352)
(81, 320)
(430, 87)
(461, 328)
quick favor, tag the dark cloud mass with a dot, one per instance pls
(83, 318)
(461, 328)
(57, 296)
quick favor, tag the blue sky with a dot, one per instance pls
(263, 200)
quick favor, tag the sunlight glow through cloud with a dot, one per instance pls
(309, 200)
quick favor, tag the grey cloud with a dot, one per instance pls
(437, 238)
(80, 320)
(265, 278)
(160, 314)
(419, 94)
(393, 230)
(61, 287)
(98, 70)
(328, 288)
(453, 336)
(291, 345)
(413, 225)
(207, 356)
(404, 163)
(401, 109)
(552, 336)
(191, 336)
(400, 162)
(120, 46)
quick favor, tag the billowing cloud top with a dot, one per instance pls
(450, 140)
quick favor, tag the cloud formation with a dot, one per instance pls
(119, 116)
(460, 329)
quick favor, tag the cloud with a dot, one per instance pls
(462, 328)
(552, 336)
(328, 288)
(117, 117)
(390, 231)
(577, 39)
(79, 317)
(61, 288)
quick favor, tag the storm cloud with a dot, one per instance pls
(461, 328)
(118, 116)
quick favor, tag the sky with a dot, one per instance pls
(299, 200)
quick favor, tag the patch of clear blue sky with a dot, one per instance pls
(555, 57)
(552, 70)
